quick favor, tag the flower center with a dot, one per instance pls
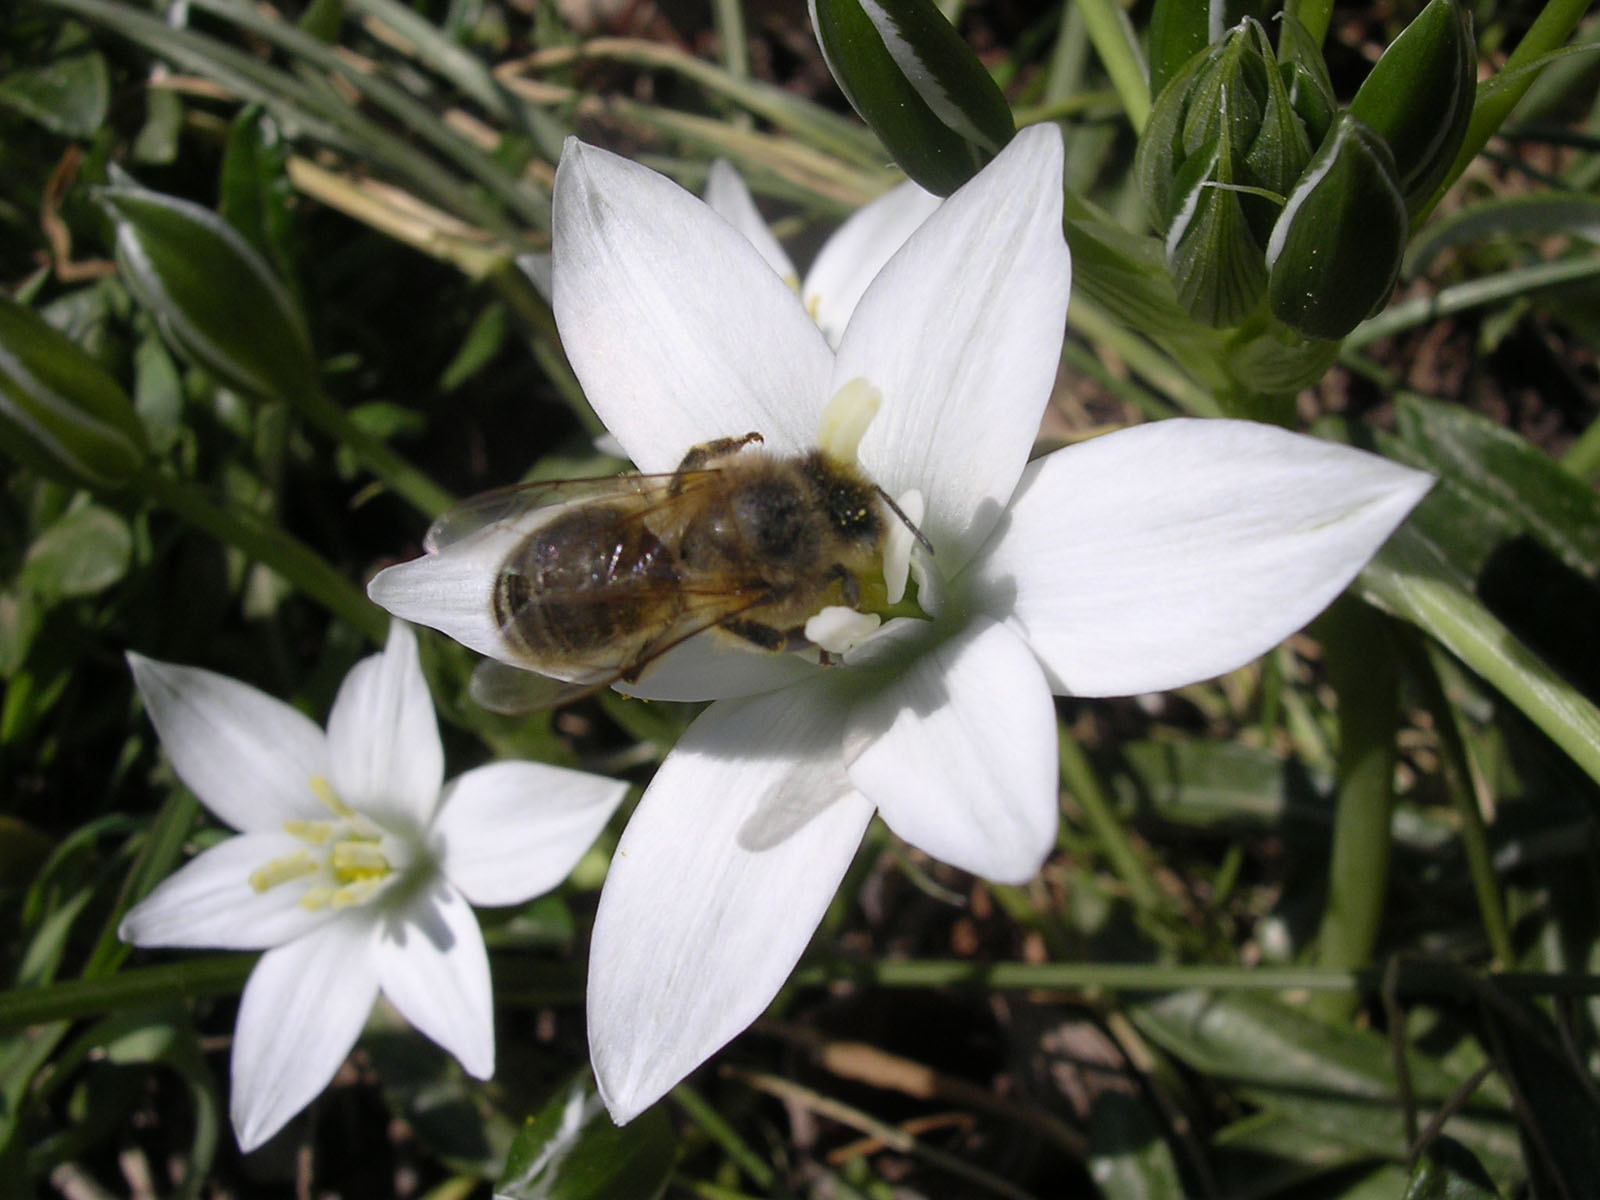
(837, 629)
(346, 861)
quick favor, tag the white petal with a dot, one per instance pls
(716, 887)
(730, 199)
(537, 268)
(248, 757)
(208, 903)
(513, 830)
(383, 738)
(962, 332)
(711, 666)
(452, 589)
(433, 967)
(300, 1014)
(675, 325)
(853, 256)
(959, 753)
(1168, 553)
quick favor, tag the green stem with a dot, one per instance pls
(399, 476)
(1079, 778)
(270, 545)
(725, 1135)
(216, 975)
(1549, 31)
(728, 18)
(1414, 978)
(322, 116)
(1118, 48)
(1087, 318)
(1065, 77)
(1429, 669)
(411, 114)
(1360, 662)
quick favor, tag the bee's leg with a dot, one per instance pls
(699, 456)
(849, 585)
(768, 637)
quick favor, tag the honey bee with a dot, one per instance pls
(614, 572)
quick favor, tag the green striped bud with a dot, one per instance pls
(1419, 97)
(1335, 252)
(919, 86)
(1223, 147)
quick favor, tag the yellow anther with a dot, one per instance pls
(794, 284)
(356, 893)
(323, 791)
(280, 870)
(358, 860)
(316, 899)
(313, 833)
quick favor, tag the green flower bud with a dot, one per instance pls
(907, 72)
(1419, 96)
(1335, 252)
(1223, 147)
(59, 411)
(213, 295)
(1305, 76)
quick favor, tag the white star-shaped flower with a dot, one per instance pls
(353, 868)
(1139, 561)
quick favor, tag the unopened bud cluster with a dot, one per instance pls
(1268, 193)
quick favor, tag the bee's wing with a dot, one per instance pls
(502, 688)
(519, 499)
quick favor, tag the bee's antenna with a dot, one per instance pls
(922, 538)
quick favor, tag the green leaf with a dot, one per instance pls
(1416, 578)
(254, 192)
(83, 553)
(1332, 1079)
(212, 293)
(68, 97)
(59, 411)
(1561, 1108)
(1419, 96)
(910, 76)
(1449, 1171)
(1128, 1153)
(478, 349)
(1532, 216)
(1502, 474)
(1180, 29)
(1335, 251)
(157, 141)
(570, 1150)
(1216, 784)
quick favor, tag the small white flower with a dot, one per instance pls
(353, 869)
(1140, 561)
